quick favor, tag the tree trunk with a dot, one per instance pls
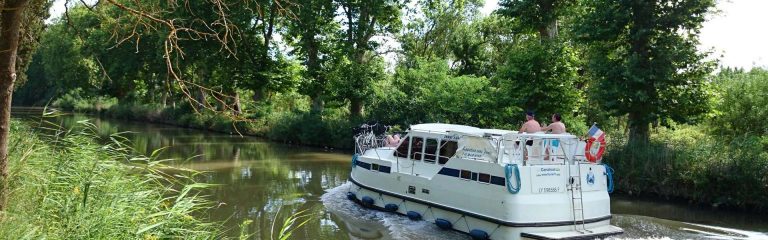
(164, 98)
(543, 33)
(356, 107)
(202, 98)
(10, 22)
(236, 108)
(313, 67)
(270, 26)
(638, 128)
(259, 94)
(317, 103)
(548, 28)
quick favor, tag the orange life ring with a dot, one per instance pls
(601, 149)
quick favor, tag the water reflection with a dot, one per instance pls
(680, 212)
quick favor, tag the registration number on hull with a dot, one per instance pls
(547, 179)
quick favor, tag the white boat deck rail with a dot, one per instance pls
(498, 146)
(539, 148)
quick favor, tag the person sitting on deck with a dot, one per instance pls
(530, 126)
(392, 140)
(556, 127)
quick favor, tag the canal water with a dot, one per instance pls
(259, 184)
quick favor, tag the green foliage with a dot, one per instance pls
(686, 163)
(432, 25)
(645, 62)
(75, 101)
(429, 93)
(314, 20)
(354, 80)
(535, 15)
(740, 105)
(32, 25)
(329, 128)
(541, 77)
(65, 186)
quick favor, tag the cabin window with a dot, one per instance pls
(466, 174)
(402, 150)
(447, 150)
(417, 148)
(374, 167)
(430, 150)
(484, 177)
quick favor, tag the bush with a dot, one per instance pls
(428, 92)
(330, 128)
(739, 108)
(686, 163)
(75, 101)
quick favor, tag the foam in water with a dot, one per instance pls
(391, 226)
(364, 223)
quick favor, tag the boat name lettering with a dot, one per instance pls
(475, 153)
(452, 137)
(543, 172)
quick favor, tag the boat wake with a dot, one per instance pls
(644, 227)
(362, 223)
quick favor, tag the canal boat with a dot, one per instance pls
(488, 183)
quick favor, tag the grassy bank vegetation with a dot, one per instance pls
(287, 118)
(688, 164)
(66, 186)
(722, 161)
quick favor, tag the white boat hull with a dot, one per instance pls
(490, 207)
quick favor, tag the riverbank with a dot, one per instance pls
(687, 165)
(330, 128)
(66, 186)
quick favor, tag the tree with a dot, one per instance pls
(426, 91)
(536, 15)
(311, 32)
(541, 77)
(739, 107)
(362, 21)
(12, 15)
(643, 57)
(432, 25)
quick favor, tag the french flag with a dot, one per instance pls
(596, 133)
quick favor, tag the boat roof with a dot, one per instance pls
(445, 128)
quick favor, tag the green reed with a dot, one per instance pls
(65, 185)
(692, 166)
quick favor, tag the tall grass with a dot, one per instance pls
(65, 185)
(690, 165)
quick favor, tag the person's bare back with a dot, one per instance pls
(557, 127)
(530, 125)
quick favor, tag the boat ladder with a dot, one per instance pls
(577, 202)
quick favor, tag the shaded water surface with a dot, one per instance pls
(260, 182)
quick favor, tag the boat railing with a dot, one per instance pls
(367, 141)
(369, 135)
(539, 149)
